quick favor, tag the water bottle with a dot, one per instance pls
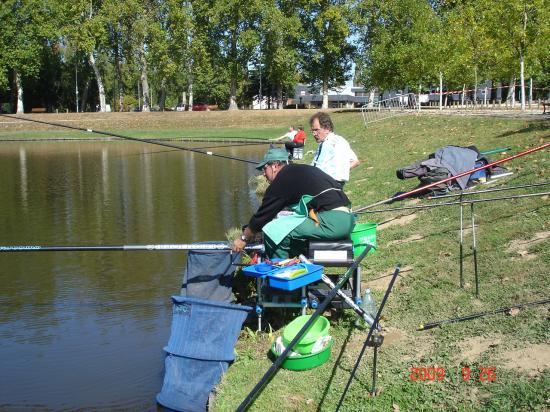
(368, 304)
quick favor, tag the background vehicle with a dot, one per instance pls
(200, 107)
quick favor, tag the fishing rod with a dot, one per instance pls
(494, 189)
(448, 179)
(135, 139)
(184, 246)
(457, 202)
(479, 315)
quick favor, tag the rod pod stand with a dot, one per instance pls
(373, 339)
(375, 342)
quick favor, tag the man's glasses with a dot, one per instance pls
(314, 130)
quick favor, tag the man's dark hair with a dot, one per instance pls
(324, 120)
(278, 162)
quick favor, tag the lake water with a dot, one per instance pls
(85, 330)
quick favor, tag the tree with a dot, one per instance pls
(27, 27)
(404, 45)
(232, 33)
(325, 46)
(517, 27)
(280, 29)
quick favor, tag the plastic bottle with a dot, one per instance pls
(368, 304)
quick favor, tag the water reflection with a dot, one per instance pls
(85, 330)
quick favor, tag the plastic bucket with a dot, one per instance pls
(363, 234)
(303, 362)
(317, 329)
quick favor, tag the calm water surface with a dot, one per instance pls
(85, 330)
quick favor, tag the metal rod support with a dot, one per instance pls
(492, 199)
(475, 248)
(494, 189)
(461, 270)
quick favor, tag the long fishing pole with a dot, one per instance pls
(457, 202)
(448, 179)
(135, 139)
(494, 189)
(479, 315)
(184, 246)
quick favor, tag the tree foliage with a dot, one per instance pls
(228, 52)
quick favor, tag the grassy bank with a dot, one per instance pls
(514, 265)
(513, 257)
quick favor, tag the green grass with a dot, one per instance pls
(429, 290)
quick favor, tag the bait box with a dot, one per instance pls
(314, 274)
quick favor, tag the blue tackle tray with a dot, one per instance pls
(314, 273)
(260, 270)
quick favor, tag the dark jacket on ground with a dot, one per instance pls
(291, 183)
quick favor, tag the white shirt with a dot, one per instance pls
(291, 134)
(333, 156)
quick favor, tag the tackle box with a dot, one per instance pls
(287, 277)
(279, 280)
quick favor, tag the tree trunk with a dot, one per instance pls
(118, 76)
(522, 79)
(233, 84)
(84, 97)
(440, 91)
(475, 86)
(162, 94)
(20, 109)
(325, 95)
(100, 86)
(280, 96)
(512, 92)
(370, 102)
(190, 94)
(144, 83)
(233, 94)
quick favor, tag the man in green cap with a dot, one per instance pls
(321, 209)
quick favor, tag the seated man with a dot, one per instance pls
(322, 210)
(288, 135)
(297, 141)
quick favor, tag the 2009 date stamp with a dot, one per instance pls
(436, 373)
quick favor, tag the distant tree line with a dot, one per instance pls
(85, 54)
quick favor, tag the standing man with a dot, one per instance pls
(334, 155)
(322, 210)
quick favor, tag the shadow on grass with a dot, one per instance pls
(336, 366)
(532, 127)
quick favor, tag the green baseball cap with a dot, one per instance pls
(272, 155)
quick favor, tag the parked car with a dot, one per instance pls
(200, 107)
